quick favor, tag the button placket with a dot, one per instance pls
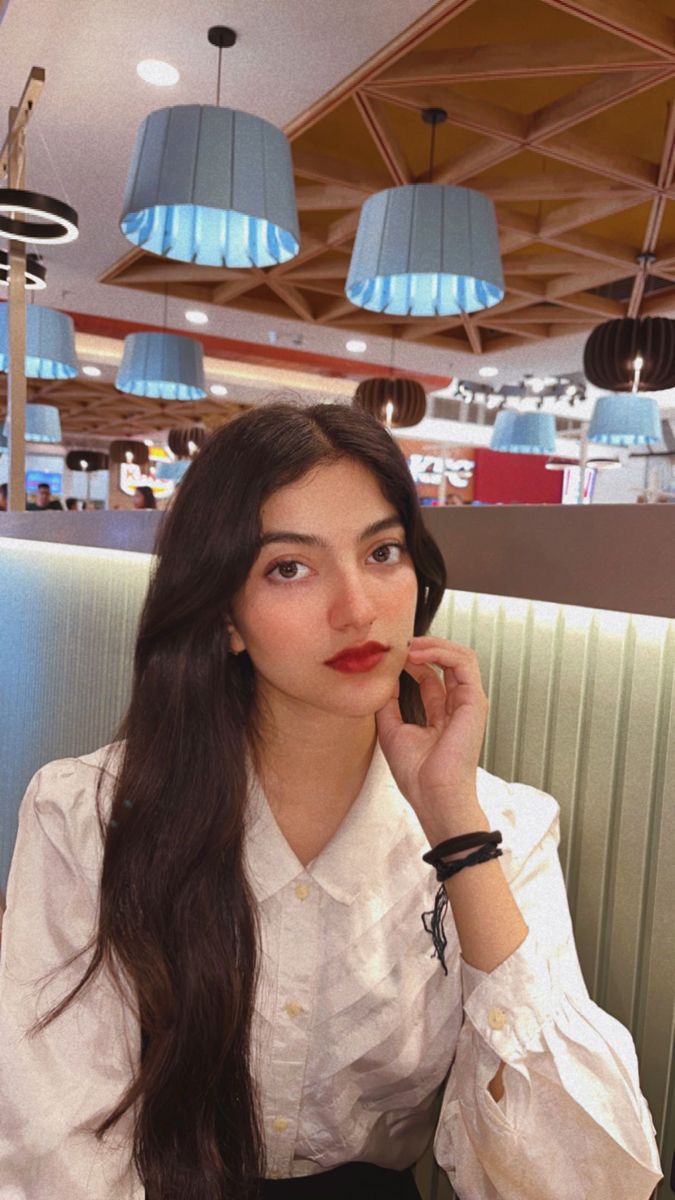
(297, 958)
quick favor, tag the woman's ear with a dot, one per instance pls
(236, 641)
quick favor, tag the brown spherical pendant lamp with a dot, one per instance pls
(87, 460)
(611, 351)
(407, 397)
(129, 451)
(185, 443)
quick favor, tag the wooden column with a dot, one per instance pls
(16, 330)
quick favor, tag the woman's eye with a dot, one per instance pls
(292, 562)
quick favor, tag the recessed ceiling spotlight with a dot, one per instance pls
(355, 346)
(93, 371)
(218, 389)
(196, 317)
(152, 70)
(488, 372)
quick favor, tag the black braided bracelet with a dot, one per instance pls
(488, 849)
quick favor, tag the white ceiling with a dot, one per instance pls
(81, 136)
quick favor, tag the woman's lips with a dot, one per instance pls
(352, 666)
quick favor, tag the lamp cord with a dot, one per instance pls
(431, 150)
(220, 59)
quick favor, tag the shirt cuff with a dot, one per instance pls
(509, 1005)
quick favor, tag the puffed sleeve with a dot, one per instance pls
(572, 1123)
(56, 1087)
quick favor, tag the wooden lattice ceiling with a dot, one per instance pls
(92, 407)
(561, 110)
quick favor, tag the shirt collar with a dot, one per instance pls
(345, 864)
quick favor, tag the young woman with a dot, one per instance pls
(264, 1014)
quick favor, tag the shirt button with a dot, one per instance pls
(293, 1008)
(280, 1124)
(496, 1018)
(301, 891)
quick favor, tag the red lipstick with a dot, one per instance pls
(358, 658)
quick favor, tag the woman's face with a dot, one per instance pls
(292, 618)
(138, 500)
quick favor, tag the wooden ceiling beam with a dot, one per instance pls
(593, 98)
(487, 153)
(543, 263)
(472, 332)
(549, 185)
(573, 56)
(292, 297)
(580, 212)
(323, 168)
(601, 306)
(638, 23)
(534, 335)
(386, 142)
(315, 198)
(591, 155)
(595, 247)
(226, 292)
(469, 112)
(433, 20)
(666, 168)
(567, 285)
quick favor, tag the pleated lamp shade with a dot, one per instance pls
(211, 186)
(129, 451)
(426, 250)
(180, 441)
(611, 350)
(524, 433)
(164, 366)
(50, 343)
(87, 460)
(406, 395)
(173, 471)
(625, 420)
(43, 424)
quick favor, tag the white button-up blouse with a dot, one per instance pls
(357, 1030)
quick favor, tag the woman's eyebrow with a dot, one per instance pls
(308, 539)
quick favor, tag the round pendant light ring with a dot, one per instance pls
(59, 221)
(221, 36)
(36, 272)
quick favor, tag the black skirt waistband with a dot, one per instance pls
(356, 1180)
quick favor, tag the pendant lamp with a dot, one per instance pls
(35, 274)
(87, 460)
(43, 423)
(163, 366)
(426, 249)
(185, 443)
(128, 450)
(57, 222)
(211, 185)
(173, 471)
(524, 433)
(612, 348)
(621, 420)
(406, 396)
(50, 343)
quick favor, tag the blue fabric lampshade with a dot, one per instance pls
(211, 186)
(524, 433)
(625, 420)
(50, 343)
(172, 470)
(43, 424)
(163, 366)
(426, 250)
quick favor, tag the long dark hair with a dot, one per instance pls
(178, 920)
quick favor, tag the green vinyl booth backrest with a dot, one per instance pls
(581, 706)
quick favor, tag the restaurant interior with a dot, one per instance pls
(456, 215)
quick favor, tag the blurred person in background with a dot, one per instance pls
(44, 499)
(144, 497)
